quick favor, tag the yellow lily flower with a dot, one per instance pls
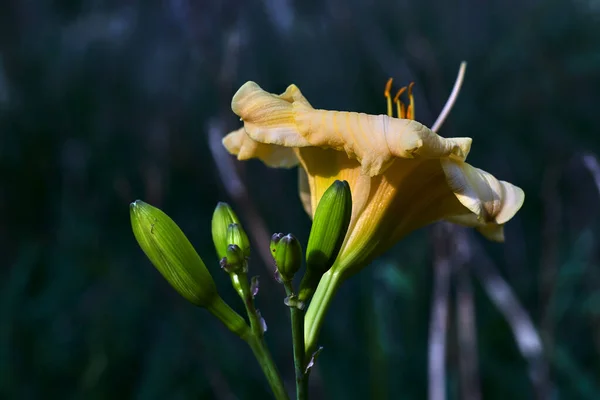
(402, 175)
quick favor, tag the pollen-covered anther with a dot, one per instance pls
(388, 87)
(410, 112)
(400, 108)
(386, 93)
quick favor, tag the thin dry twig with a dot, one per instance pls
(438, 324)
(452, 99)
(458, 256)
(466, 326)
(467, 335)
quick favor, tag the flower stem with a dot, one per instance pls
(297, 318)
(315, 315)
(230, 318)
(261, 352)
(256, 339)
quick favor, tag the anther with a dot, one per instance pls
(388, 87)
(399, 104)
(397, 96)
(386, 93)
(410, 112)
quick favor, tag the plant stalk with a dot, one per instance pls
(256, 338)
(263, 356)
(315, 315)
(297, 318)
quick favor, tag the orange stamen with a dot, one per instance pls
(410, 112)
(388, 87)
(397, 96)
(386, 93)
(399, 104)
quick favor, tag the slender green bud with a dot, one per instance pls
(330, 224)
(172, 254)
(236, 235)
(223, 216)
(329, 227)
(288, 257)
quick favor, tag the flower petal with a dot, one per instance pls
(241, 145)
(374, 140)
(490, 199)
(323, 167)
(269, 118)
(304, 191)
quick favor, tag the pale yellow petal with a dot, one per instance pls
(268, 118)
(240, 144)
(323, 167)
(410, 139)
(304, 191)
(293, 95)
(374, 140)
(490, 199)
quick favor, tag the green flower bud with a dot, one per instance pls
(172, 254)
(175, 258)
(327, 235)
(223, 216)
(329, 227)
(235, 261)
(236, 235)
(274, 240)
(288, 257)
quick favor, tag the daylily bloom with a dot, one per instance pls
(402, 175)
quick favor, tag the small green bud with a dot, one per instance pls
(236, 235)
(223, 216)
(235, 261)
(172, 254)
(288, 257)
(330, 224)
(274, 240)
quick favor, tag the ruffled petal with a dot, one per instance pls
(409, 139)
(240, 144)
(374, 140)
(490, 199)
(269, 118)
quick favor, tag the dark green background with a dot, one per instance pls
(104, 102)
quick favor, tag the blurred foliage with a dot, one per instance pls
(103, 102)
